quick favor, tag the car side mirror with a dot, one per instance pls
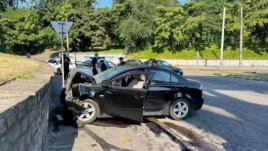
(106, 83)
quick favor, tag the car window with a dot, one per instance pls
(110, 64)
(163, 77)
(133, 81)
(55, 62)
(145, 63)
(165, 64)
(173, 79)
(99, 64)
(107, 74)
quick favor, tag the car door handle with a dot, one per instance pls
(108, 92)
(138, 96)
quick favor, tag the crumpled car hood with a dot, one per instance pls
(76, 77)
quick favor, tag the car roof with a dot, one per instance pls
(128, 68)
(98, 60)
(140, 67)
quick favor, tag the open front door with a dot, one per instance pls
(126, 100)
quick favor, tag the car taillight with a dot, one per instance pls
(201, 87)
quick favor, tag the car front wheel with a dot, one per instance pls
(180, 109)
(90, 113)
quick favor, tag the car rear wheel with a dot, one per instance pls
(90, 113)
(180, 109)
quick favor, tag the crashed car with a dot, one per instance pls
(131, 92)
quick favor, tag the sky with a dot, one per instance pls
(103, 3)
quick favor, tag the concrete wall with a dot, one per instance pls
(228, 63)
(180, 62)
(83, 57)
(24, 126)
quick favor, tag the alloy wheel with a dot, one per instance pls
(181, 109)
(88, 113)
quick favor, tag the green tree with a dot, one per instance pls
(168, 31)
(256, 21)
(21, 31)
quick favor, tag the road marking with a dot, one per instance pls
(125, 141)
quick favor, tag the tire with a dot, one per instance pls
(88, 117)
(58, 71)
(179, 113)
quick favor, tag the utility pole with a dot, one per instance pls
(241, 38)
(222, 37)
(61, 28)
(197, 60)
(67, 40)
(62, 60)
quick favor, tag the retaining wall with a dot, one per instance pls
(228, 63)
(24, 126)
(179, 62)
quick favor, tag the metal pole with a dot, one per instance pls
(222, 37)
(241, 38)
(62, 60)
(67, 39)
(75, 59)
(197, 60)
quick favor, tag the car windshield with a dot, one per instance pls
(107, 74)
(163, 64)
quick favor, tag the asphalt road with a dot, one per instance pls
(105, 134)
(234, 117)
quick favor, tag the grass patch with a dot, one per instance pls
(211, 52)
(16, 66)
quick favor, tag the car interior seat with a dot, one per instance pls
(138, 82)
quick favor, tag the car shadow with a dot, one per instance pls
(114, 122)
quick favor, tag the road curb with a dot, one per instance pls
(185, 145)
(8, 81)
(245, 77)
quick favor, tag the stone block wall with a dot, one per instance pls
(24, 126)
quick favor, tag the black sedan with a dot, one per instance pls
(131, 92)
(133, 62)
(164, 64)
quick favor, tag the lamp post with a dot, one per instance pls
(222, 37)
(67, 39)
(241, 33)
(241, 38)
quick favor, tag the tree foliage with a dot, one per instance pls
(132, 23)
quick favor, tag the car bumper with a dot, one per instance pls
(198, 103)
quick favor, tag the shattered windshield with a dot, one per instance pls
(107, 74)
